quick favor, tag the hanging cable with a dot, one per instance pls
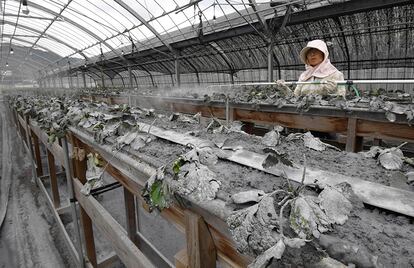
(214, 12)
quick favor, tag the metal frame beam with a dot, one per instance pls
(335, 10)
(47, 27)
(19, 48)
(28, 42)
(49, 36)
(77, 25)
(143, 21)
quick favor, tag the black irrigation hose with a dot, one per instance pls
(105, 188)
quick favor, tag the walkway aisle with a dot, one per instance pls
(27, 235)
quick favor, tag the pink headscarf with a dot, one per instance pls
(324, 69)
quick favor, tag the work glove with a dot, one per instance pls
(329, 86)
(283, 87)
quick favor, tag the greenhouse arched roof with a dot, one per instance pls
(52, 36)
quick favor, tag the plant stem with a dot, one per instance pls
(281, 216)
(304, 169)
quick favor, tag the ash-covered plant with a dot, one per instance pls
(156, 192)
(288, 218)
(50, 113)
(389, 158)
(94, 172)
(187, 176)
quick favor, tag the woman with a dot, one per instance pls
(319, 69)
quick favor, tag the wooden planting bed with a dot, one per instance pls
(355, 123)
(208, 239)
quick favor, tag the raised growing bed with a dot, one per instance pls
(371, 117)
(239, 167)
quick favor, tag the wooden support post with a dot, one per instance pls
(181, 259)
(53, 179)
(38, 158)
(353, 142)
(22, 132)
(131, 219)
(80, 167)
(201, 250)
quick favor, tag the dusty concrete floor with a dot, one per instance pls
(28, 236)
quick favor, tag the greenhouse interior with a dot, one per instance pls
(207, 133)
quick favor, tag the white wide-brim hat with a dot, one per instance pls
(318, 44)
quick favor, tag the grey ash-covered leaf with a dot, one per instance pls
(197, 181)
(315, 143)
(274, 252)
(335, 205)
(247, 196)
(240, 224)
(272, 138)
(391, 159)
(307, 219)
(276, 158)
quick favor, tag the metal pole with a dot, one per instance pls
(61, 80)
(345, 82)
(270, 62)
(177, 72)
(68, 172)
(227, 110)
(70, 76)
(131, 85)
(77, 80)
(54, 81)
(84, 79)
(102, 77)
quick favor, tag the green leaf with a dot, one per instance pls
(51, 138)
(177, 165)
(98, 126)
(98, 161)
(158, 195)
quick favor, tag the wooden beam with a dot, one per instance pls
(386, 130)
(53, 179)
(353, 142)
(126, 250)
(63, 210)
(181, 259)
(54, 148)
(72, 250)
(201, 251)
(80, 166)
(302, 121)
(38, 158)
(131, 222)
(23, 124)
(109, 261)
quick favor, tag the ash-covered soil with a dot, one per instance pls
(341, 162)
(384, 234)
